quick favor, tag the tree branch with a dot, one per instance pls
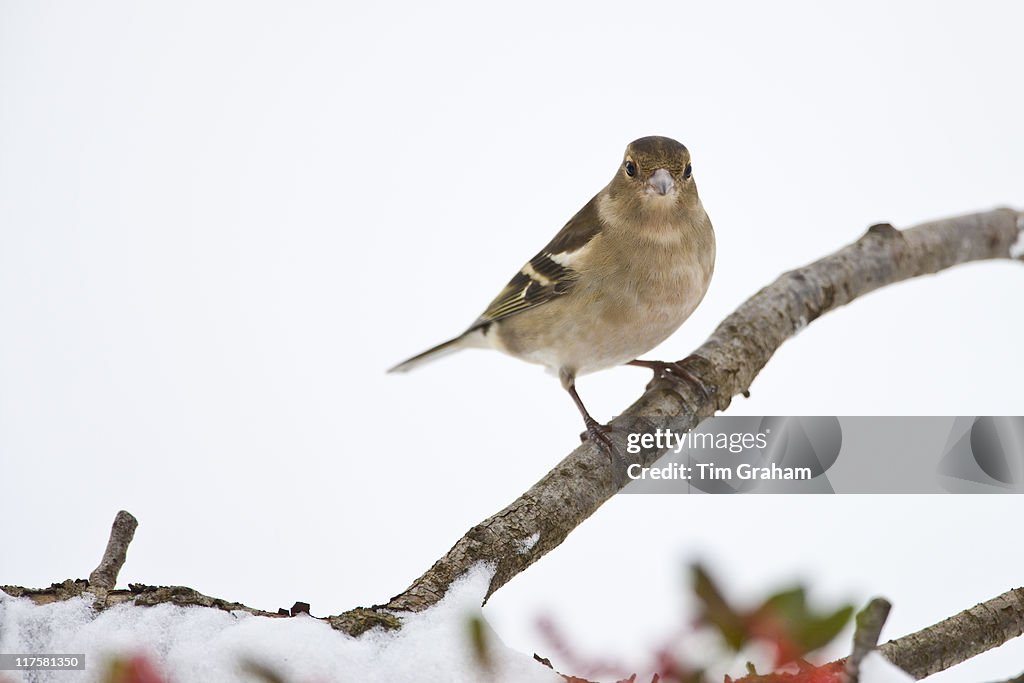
(728, 361)
(104, 577)
(957, 639)
(541, 518)
(870, 621)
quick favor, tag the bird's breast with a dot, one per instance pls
(619, 309)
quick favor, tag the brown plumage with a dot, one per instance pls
(616, 281)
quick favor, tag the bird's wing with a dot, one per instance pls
(549, 274)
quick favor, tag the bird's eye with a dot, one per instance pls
(630, 168)
(688, 171)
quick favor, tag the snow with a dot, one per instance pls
(875, 668)
(526, 545)
(207, 645)
(1017, 248)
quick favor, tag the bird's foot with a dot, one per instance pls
(676, 372)
(598, 434)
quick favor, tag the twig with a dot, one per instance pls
(104, 577)
(870, 621)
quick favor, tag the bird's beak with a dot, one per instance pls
(661, 182)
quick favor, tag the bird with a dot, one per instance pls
(617, 280)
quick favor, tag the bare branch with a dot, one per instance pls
(870, 621)
(728, 361)
(960, 637)
(139, 595)
(104, 577)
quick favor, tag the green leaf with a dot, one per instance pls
(716, 610)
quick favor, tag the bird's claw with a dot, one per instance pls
(598, 434)
(678, 373)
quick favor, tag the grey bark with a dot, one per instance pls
(870, 621)
(960, 637)
(104, 577)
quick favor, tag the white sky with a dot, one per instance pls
(220, 222)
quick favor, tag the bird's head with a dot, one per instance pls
(656, 174)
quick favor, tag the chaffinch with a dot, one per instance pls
(616, 281)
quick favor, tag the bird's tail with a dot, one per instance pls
(463, 341)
